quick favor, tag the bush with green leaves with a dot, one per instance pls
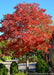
(0, 60)
(22, 60)
(42, 67)
(3, 69)
(6, 58)
(38, 53)
(13, 68)
(33, 58)
(39, 56)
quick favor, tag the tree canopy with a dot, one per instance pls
(26, 29)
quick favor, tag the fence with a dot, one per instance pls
(21, 67)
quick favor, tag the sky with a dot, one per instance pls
(6, 6)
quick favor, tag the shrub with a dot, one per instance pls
(13, 68)
(39, 53)
(3, 69)
(0, 60)
(22, 60)
(42, 67)
(6, 58)
(39, 56)
(33, 58)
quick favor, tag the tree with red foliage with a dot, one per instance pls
(26, 30)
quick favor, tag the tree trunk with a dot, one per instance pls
(27, 64)
(51, 52)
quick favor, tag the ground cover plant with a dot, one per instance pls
(20, 73)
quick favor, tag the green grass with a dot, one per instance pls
(20, 73)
